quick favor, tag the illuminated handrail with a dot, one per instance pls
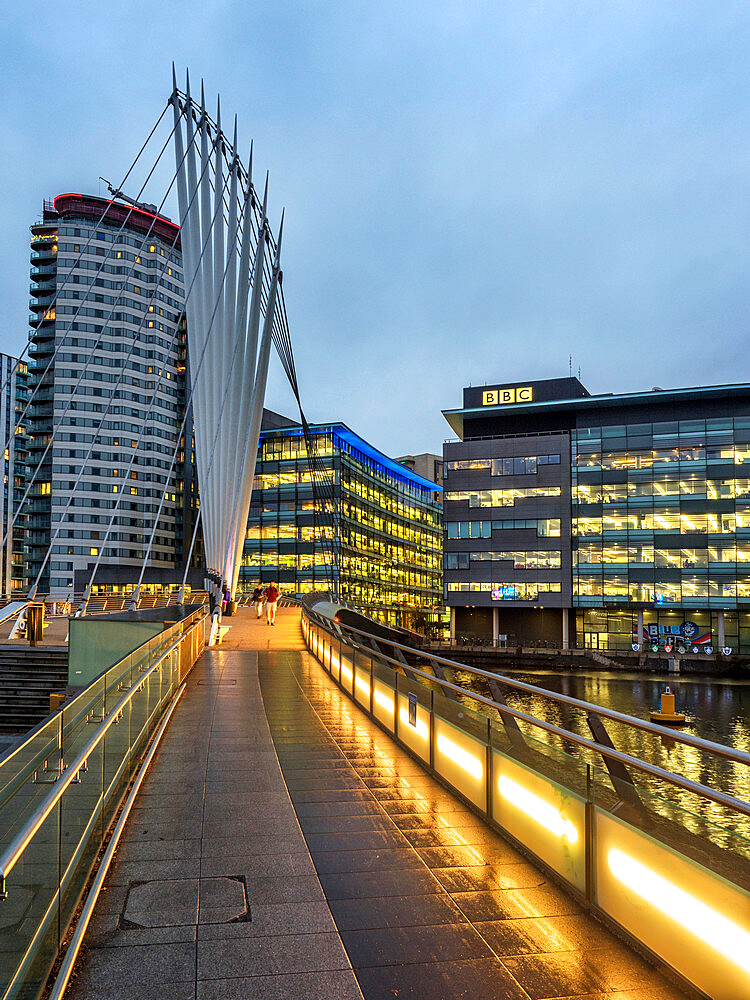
(721, 798)
(669, 889)
(719, 749)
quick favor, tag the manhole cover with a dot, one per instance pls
(172, 902)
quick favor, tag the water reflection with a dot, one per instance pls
(715, 710)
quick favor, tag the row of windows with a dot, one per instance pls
(107, 342)
(76, 293)
(683, 591)
(666, 521)
(687, 456)
(90, 487)
(115, 234)
(517, 466)
(682, 557)
(97, 327)
(102, 361)
(119, 316)
(154, 401)
(534, 559)
(693, 486)
(299, 560)
(80, 404)
(503, 498)
(123, 377)
(508, 591)
(544, 527)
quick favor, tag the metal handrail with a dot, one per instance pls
(719, 749)
(32, 764)
(66, 970)
(20, 842)
(721, 798)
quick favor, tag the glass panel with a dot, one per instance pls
(62, 852)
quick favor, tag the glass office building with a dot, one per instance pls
(630, 521)
(371, 529)
(661, 520)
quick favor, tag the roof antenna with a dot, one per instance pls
(116, 193)
(570, 365)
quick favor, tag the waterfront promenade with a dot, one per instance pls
(284, 847)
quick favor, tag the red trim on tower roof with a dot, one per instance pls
(137, 219)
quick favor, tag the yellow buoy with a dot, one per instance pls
(667, 713)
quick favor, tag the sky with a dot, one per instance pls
(474, 192)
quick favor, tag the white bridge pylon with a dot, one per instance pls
(231, 276)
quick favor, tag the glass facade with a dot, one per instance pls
(647, 529)
(661, 520)
(376, 535)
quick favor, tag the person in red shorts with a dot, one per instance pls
(272, 597)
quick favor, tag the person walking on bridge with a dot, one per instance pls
(272, 597)
(258, 600)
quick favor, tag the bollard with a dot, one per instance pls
(35, 623)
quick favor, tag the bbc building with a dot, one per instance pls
(606, 521)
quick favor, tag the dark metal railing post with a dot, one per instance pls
(489, 768)
(589, 819)
(432, 729)
(372, 687)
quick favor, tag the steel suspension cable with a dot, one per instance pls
(90, 286)
(180, 434)
(99, 222)
(89, 362)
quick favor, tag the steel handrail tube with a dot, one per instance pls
(32, 764)
(721, 798)
(740, 756)
(21, 841)
(74, 947)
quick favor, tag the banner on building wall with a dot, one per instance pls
(688, 633)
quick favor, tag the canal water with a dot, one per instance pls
(715, 710)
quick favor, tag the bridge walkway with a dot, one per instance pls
(283, 847)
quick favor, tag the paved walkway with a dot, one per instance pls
(217, 894)
(214, 895)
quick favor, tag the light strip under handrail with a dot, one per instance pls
(730, 753)
(20, 842)
(721, 798)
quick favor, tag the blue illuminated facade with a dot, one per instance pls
(368, 526)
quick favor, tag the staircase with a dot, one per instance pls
(27, 678)
(603, 660)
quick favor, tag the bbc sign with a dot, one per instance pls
(501, 397)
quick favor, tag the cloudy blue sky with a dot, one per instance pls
(474, 191)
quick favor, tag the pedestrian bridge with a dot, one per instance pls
(317, 819)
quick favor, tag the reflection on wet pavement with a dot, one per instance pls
(429, 901)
